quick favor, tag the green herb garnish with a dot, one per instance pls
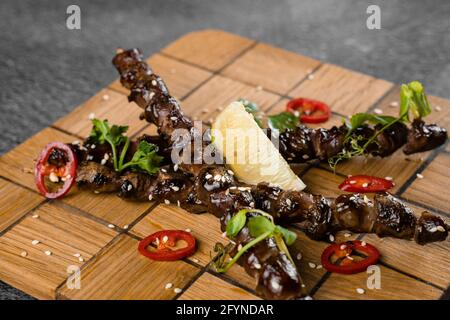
(144, 159)
(253, 109)
(413, 100)
(260, 227)
(282, 121)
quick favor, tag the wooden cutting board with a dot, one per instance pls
(206, 70)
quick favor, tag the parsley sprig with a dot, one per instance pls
(144, 159)
(261, 227)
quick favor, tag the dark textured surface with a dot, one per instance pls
(46, 70)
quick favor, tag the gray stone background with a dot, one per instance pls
(46, 70)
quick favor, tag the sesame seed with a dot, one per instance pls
(205, 110)
(299, 256)
(288, 202)
(93, 146)
(168, 286)
(310, 77)
(257, 265)
(305, 156)
(150, 197)
(195, 260)
(96, 191)
(178, 203)
(303, 285)
(360, 290)
(175, 167)
(53, 177)
(393, 104)
(175, 188)
(440, 228)
(365, 185)
(91, 116)
(103, 162)
(349, 257)
(343, 246)
(24, 254)
(331, 237)
(111, 226)
(77, 255)
(319, 266)
(352, 181)
(389, 178)
(347, 235)
(208, 176)
(420, 176)
(48, 253)
(230, 172)
(363, 243)
(75, 142)
(217, 177)
(378, 111)
(239, 247)
(188, 230)
(224, 235)
(165, 239)
(308, 298)
(312, 265)
(81, 259)
(105, 97)
(259, 88)
(433, 229)
(252, 204)
(438, 108)
(126, 226)
(173, 118)
(154, 82)
(35, 216)
(366, 200)
(35, 242)
(164, 170)
(166, 201)
(177, 290)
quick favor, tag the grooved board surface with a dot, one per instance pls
(206, 70)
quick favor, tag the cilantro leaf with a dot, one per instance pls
(145, 158)
(283, 121)
(260, 225)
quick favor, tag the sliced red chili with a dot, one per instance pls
(333, 259)
(311, 111)
(165, 243)
(59, 160)
(365, 184)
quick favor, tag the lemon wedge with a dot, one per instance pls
(249, 152)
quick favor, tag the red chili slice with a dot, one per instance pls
(66, 171)
(165, 242)
(365, 184)
(346, 264)
(312, 111)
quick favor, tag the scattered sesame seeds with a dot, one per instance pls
(173, 118)
(420, 176)
(239, 247)
(48, 253)
(35, 216)
(347, 235)
(177, 290)
(224, 235)
(230, 172)
(165, 239)
(35, 242)
(175, 167)
(126, 226)
(77, 255)
(178, 203)
(24, 254)
(154, 82)
(365, 185)
(352, 181)
(81, 259)
(393, 104)
(378, 111)
(111, 226)
(166, 201)
(437, 108)
(91, 116)
(103, 162)
(259, 88)
(208, 176)
(150, 197)
(168, 286)
(303, 285)
(257, 265)
(288, 202)
(175, 188)
(217, 177)
(343, 246)
(331, 237)
(93, 146)
(299, 256)
(349, 257)
(319, 266)
(360, 290)
(195, 260)
(188, 230)
(433, 230)
(307, 298)
(312, 265)
(389, 178)
(440, 228)
(305, 156)
(105, 97)
(363, 243)
(310, 77)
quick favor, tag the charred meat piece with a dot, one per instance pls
(390, 140)
(430, 228)
(94, 176)
(423, 137)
